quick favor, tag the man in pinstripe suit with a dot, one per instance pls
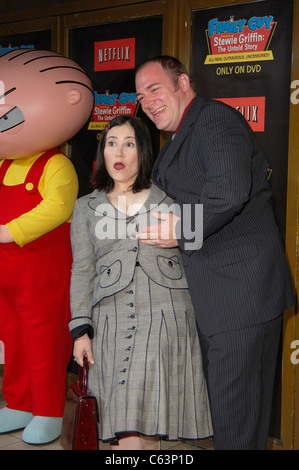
(239, 279)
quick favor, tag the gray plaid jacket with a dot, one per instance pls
(105, 252)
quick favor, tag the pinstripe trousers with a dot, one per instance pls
(240, 370)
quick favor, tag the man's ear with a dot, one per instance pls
(74, 96)
(184, 82)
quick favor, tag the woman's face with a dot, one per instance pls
(121, 157)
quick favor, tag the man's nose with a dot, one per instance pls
(147, 101)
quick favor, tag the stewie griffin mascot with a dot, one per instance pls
(45, 99)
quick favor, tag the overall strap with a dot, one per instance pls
(36, 170)
(3, 169)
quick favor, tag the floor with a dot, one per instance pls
(13, 440)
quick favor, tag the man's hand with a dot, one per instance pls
(5, 236)
(161, 234)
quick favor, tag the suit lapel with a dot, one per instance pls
(156, 168)
(173, 144)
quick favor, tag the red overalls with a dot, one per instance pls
(34, 304)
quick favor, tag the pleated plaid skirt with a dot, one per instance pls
(148, 375)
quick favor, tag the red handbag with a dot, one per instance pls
(80, 418)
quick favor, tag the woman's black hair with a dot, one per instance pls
(102, 180)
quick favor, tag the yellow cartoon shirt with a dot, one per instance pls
(58, 187)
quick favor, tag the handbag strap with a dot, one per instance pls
(83, 376)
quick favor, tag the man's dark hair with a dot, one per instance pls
(171, 65)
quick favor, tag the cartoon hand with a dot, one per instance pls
(5, 236)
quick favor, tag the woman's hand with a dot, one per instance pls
(82, 347)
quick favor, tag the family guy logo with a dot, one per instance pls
(239, 40)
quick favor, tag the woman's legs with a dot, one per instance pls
(134, 441)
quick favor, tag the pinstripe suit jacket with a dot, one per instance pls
(240, 276)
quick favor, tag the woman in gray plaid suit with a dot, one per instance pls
(131, 311)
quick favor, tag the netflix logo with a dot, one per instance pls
(114, 55)
(252, 108)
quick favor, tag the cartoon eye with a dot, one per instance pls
(13, 118)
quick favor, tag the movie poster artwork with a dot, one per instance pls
(29, 40)
(241, 55)
(109, 53)
(113, 55)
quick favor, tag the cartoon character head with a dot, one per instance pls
(45, 99)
